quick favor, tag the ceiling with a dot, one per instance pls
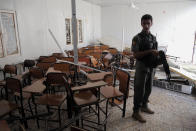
(125, 2)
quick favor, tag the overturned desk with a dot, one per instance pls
(179, 81)
(185, 74)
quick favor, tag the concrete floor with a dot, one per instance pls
(173, 112)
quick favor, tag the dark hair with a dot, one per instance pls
(146, 17)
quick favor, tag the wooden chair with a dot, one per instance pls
(96, 55)
(97, 47)
(70, 59)
(86, 60)
(56, 100)
(82, 55)
(106, 64)
(81, 96)
(4, 126)
(41, 58)
(96, 63)
(6, 108)
(112, 94)
(35, 74)
(55, 81)
(63, 67)
(58, 55)
(9, 69)
(16, 92)
(2, 85)
(82, 70)
(88, 51)
(14, 86)
(80, 51)
(28, 64)
(44, 66)
(49, 59)
(71, 67)
(104, 47)
(113, 51)
(90, 47)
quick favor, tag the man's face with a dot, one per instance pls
(146, 24)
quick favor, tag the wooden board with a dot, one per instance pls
(97, 76)
(89, 85)
(36, 87)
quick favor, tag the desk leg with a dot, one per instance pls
(23, 113)
(98, 117)
(37, 118)
(106, 113)
(69, 108)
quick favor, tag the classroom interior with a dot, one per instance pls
(68, 65)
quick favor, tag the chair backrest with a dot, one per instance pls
(28, 63)
(70, 59)
(88, 51)
(104, 47)
(97, 47)
(109, 79)
(96, 55)
(113, 51)
(123, 77)
(90, 47)
(58, 55)
(82, 55)
(41, 58)
(80, 50)
(49, 59)
(10, 69)
(36, 73)
(44, 66)
(56, 79)
(64, 67)
(85, 59)
(14, 85)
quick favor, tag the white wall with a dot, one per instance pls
(174, 25)
(36, 16)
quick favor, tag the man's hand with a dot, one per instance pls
(141, 54)
(155, 52)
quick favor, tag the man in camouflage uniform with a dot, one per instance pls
(144, 47)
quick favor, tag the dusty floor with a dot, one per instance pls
(173, 112)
